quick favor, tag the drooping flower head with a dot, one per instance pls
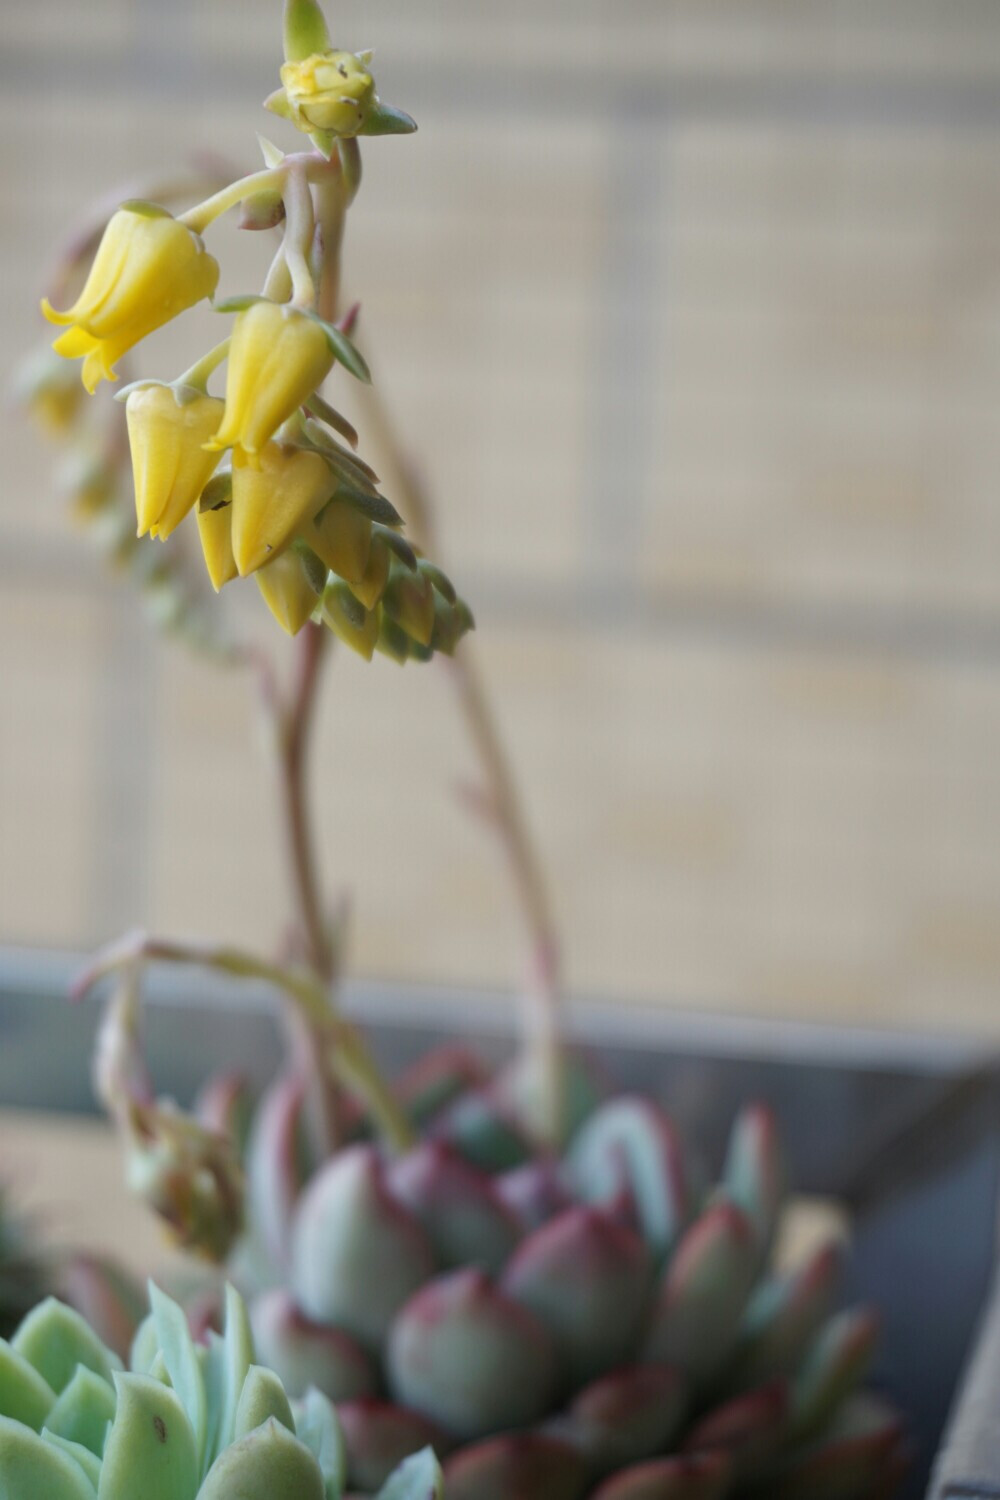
(277, 358)
(148, 268)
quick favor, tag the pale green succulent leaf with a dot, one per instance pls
(268, 1464)
(317, 1426)
(89, 1461)
(278, 104)
(82, 1413)
(145, 1347)
(262, 1397)
(24, 1394)
(31, 1467)
(417, 1478)
(181, 1360)
(150, 1436)
(237, 1357)
(55, 1339)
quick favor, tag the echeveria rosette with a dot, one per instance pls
(187, 1422)
(593, 1325)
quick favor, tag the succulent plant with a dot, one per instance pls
(597, 1324)
(186, 1421)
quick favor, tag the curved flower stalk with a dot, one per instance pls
(186, 1421)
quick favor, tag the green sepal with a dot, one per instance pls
(29, 1466)
(398, 546)
(272, 154)
(146, 210)
(217, 492)
(441, 582)
(239, 303)
(305, 30)
(317, 1426)
(83, 1411)
(418, 1477)
(385, 119)
(314, 567)
(55, 1339)
(24, 1394)
(150, 1436)
(393, 640)
(278, 104)
(343, 350)
(324, 141)
(376, 507)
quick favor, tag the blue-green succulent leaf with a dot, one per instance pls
(262, 1397)
(150, 1437)
(237, 1357)
(268, 1464)
(181, 1360)
(317, 1426)
(55, 1339)
(88, 1461)
(31, 1467)
(82, 1413)
(24, 1394)
(417, 1478)
(145, 1347)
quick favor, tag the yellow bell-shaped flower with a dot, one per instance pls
(215, 531)
(170, 466)
(328, 91)
(277, 358)
(289, 590)
(148, 268)
(270, 502)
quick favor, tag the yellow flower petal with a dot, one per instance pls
(272, 500)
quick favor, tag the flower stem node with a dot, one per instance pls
(170, 465)
(278, 356)
(148, 268)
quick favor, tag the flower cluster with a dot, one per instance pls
(270, 468)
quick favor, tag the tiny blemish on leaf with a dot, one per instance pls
(160, 1428)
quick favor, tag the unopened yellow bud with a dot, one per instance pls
(277, 358)
(342, 537)
(148, 268)
(370, 586)
(170, 466)
(289, 590)
(215, 532)
(328, 91)
(272, 501)
(350, 622)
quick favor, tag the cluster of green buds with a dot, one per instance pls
(599, 1323)
(187, 1421)
(292, 503)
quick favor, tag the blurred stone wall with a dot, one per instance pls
(691, 314)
